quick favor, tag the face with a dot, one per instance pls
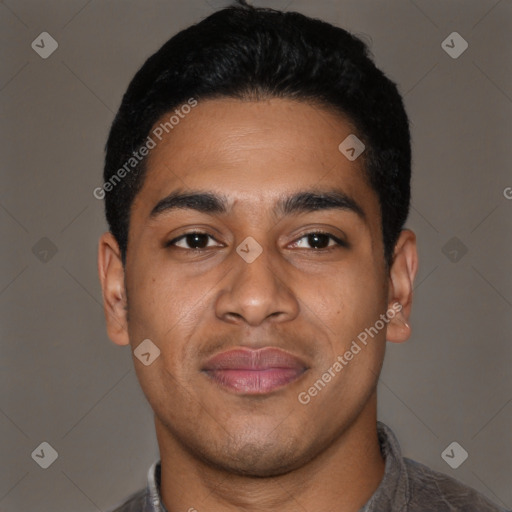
(254, 288)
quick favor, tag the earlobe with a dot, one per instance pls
(111, 274)
(402, 274)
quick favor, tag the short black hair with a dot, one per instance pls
(254, 53)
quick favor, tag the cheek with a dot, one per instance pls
(161, 303)
(164, 310)
(346, 299)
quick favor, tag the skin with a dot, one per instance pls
(224, 451)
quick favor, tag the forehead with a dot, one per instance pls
(253, 152)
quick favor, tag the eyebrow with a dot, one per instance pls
(299, 202)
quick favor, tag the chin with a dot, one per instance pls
(260, 458)
(257, 462)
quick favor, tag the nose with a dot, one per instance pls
(257, 291)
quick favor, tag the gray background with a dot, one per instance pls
(62, 381)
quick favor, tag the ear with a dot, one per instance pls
(111, 273)
(401, 276)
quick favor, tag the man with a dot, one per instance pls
(257, 182)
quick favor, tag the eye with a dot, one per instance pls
(194, 240)
(319, 240)
(316, 240)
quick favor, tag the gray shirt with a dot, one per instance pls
(407, 486)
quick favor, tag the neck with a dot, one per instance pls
(342, 478)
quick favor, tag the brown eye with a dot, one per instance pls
(318, 240)
(195, 240)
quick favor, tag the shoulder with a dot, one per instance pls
(442, 492)
(134, 503)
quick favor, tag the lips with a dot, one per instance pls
(254, 372)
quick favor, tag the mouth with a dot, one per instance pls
(254, 372)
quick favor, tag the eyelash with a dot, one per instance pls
(338, 243)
